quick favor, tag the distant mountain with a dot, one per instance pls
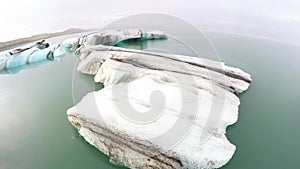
(14, 43)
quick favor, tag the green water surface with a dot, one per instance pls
(35, 132)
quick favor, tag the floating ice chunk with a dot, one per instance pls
(38, 52)
(113, 37)
(196, 104)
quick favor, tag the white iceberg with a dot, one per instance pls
(158, 110)
(112, 37)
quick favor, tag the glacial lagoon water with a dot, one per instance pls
(35, 133)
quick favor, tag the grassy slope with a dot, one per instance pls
(14, 43)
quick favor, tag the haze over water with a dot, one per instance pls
(278, 20)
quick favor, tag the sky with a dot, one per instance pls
(279, 20)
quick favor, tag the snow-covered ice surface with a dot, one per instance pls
(158, 110)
